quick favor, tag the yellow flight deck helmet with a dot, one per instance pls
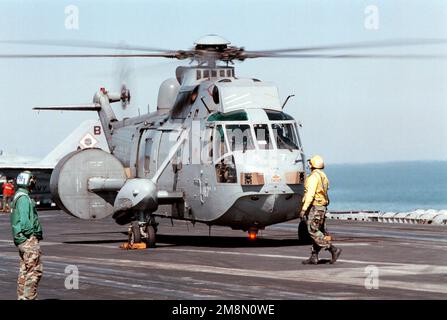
(316, 162)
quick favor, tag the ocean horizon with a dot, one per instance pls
(398, 186)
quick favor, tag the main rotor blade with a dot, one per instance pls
(351, 56)
(140, 70)
(85, 44)
(64, 56)
(357, 45)
(76, 107)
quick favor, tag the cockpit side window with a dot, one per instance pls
(220, 147)
(239, 137)
(298, 136)
(224, 163)
(226, 170)
(285, 137)
(263, 136)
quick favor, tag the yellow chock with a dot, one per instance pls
(328, 238)
(134, 246)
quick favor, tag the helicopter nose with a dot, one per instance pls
(269, 204)
(261, 209)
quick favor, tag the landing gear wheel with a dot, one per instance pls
(150, 236)
(135, 233)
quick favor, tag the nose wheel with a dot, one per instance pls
(150, 236)
(142, 233)
(134, 233)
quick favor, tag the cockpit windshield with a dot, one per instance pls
(284, 134)
(231, 136)
(263, 136)
(239, 137)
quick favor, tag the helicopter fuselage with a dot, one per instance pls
(242, 162)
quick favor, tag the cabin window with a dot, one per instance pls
(222, 73)
(166, 142)
(213, 73)
(199, 74)
(206, 73)
(229, 73)
(239, 137)
(285, 137)
(263, 136)
(147, 155)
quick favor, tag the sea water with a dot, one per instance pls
(393, 186)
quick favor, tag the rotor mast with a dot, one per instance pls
(209, 49)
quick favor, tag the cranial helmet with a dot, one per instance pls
(316, 162)
(25, 179)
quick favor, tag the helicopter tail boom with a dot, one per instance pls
(101, 104)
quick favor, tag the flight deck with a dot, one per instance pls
(379, 261)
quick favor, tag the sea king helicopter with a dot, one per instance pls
(218, 150)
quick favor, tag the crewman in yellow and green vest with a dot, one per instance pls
(315, 202)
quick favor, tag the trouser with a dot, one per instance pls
(316, 225)
(6, 203)
(30, 270)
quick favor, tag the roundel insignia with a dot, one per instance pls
(88, 141)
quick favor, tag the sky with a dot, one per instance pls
(352, 111)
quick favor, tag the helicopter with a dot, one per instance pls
(218, 150)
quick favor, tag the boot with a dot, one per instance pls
(335, 252)
(313, 258)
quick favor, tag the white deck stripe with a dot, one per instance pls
(214, 252)
(347, 276)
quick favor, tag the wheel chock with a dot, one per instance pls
(134, 246)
